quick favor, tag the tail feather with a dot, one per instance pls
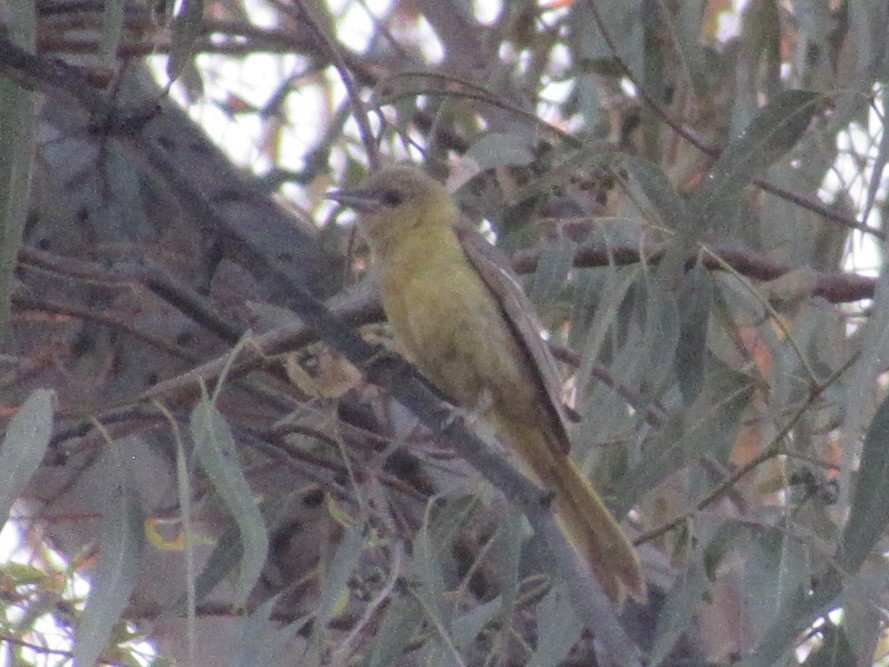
(582, 515)
(595, 534)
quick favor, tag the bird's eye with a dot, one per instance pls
(391, 197)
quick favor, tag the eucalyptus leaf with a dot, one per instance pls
(431, 579)
(663, 199)
(217, 453)
(710, 426)
(402, 619)
(336, 580)
(834, 649)
(505, 557)
(614, 292)
(771, 134)
(466, 627)
(556, 261)
(276, 511)
(870, 501)
(121, 543)
(186, 29)
(678, 611)
(648, 339)
(876, 175)
(694, 304)
(18, 129)
(558, 629)
(112, 27)
(24, 444)
(500, 150)
(798, 612)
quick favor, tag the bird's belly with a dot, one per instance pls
(457, 334)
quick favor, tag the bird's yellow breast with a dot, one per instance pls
(447, 317)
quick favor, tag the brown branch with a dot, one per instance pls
(835, 287)
(186, 300)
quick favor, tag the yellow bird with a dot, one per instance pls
(459, 309)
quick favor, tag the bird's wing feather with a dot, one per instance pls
(493, 267)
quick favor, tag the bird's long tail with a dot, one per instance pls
(582, 515)
(593, 532)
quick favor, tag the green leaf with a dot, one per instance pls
(695, 300)
(501, 150)
(18, 128)
(834, 651)
(870, 502)
(426, 565)
(466, 627)
(556, 260)
(335, 583)
(186, 29)
(613, 294)
(653, 358)
(227, 551)
(506, 555)
(120, 547)
(876, 178)
(799, 611)
(772, 133)
(558, 629)
(402, 618)
(678, 610)
(262, 643)
(21, 574)
(710, 426)
(112, 26)
(217, 453)
(24, 445)
(663, 199)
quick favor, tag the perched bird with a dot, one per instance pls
(460, 311)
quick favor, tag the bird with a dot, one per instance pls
(454, 302)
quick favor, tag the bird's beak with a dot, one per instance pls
(363, 201)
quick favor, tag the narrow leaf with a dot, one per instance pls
(772, 133)
(662, 196)
(694, 316)
(500, 150)
(120, 548)
(710, 426)
(186, 30)
(18, 128)
(262, 643)
(344, 562)
(467, 627)
(428, 569)
(227, 552)
(112, 26)
(401, 621)
(797, 613)
(558, 629)
(217, 453)
(506, 556)
(678, 611)
(870, 501)
(24, 445)
(876, 178)
(556, 260)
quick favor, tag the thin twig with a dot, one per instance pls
(359, 110)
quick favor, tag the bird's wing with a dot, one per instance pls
(493, 267)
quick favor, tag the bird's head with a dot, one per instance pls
(395, 199)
